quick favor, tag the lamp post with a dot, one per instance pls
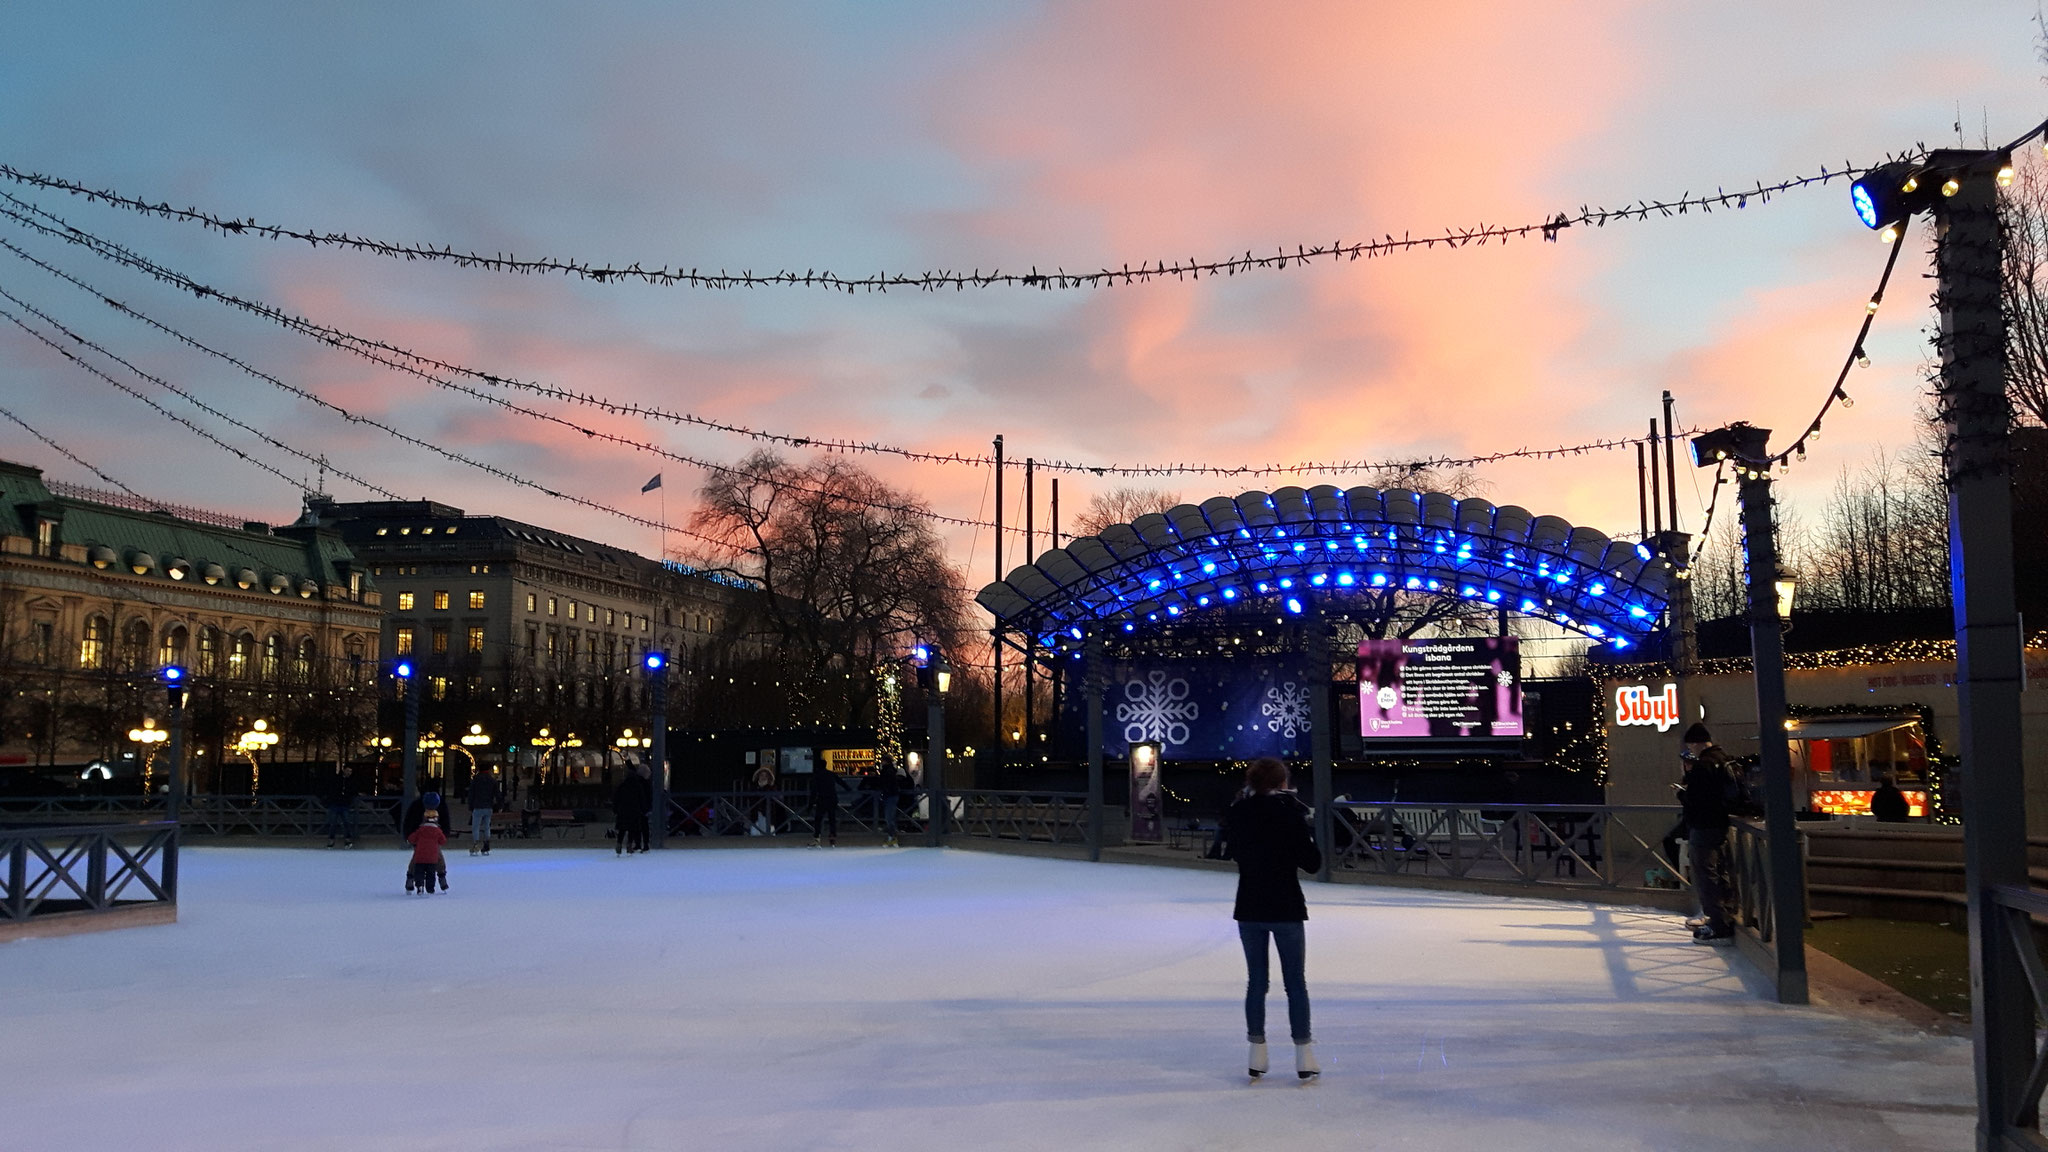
(259, 738)
(936, 677)
(1768, 593)
(149, 736)
(409, 752)
(174, 773)
(657, 741)
(476, 737)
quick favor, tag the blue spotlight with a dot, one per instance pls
(1294, 605)
(655, 661)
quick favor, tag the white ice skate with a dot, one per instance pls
(1256, 1064)
(1305, 1065)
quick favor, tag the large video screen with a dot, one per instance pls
(1419, 689)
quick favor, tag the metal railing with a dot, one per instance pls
(788, 813)
(1041, 817)
(1753, 892)
(1586, 846)
(86, 868)
(206, 815)
(2017, 908)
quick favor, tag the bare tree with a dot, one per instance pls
(1881, 544)
(1121, 506)
(849, 568)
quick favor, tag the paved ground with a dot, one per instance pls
(862, 998)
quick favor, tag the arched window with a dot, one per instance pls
(273, 656)
(92, 646)
(209, 650)
(302, 660)
(172, 649)
(241, 654)
(135, 644)
(354, 648)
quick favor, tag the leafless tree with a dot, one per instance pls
(850, 571)
(2023, 215)
(1121, 506)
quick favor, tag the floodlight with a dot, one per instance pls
(402, 670)
(655, 661)
(1710, 448)
(1889, 193)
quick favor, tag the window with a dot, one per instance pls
(239, 654)
(439, 687)
(43, 641)
(476, 638)
(172, 649)
(92, 647)
(209, 650)
(440, 601)
(403, 643)
(135, 645)
(46, 537)
(572, 647)
(551, 605)
(427, 531)
(611, 618)
(383, 531)
(552, 638)
(532, 641)
(476, 599)
(476, 569)
(355, 585)
(302, 661)
(273, 656)
(531, 600)
(440, 640)
(354, 648)
(573, 608)
(643, 623)
(405, 601)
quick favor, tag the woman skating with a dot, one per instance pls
(1267, 833)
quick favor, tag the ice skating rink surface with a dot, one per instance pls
(908, 1000)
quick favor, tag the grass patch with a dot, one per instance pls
(1929, 962)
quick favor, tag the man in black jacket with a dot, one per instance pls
(1267, 833)
(483, 800)
(824, 805)
(340, 799)
(1706, 794)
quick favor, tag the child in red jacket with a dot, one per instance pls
(427, 864)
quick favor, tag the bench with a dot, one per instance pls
(561, 820)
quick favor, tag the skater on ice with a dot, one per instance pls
(340, 799)
(1267, 833)
(824, 806)
(483, 799)
(631, 801)
(428, 864)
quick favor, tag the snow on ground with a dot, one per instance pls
(908, 1000)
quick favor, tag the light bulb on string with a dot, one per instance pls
(1872, 306)
(1862, 357)
(1890, 234)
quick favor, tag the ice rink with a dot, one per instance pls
(908, 1000)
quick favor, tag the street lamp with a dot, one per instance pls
(257, 739)
(656, 664)
(409, 752)
(936, 677)
(149, 736)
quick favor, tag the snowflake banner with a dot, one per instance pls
(1203, 709)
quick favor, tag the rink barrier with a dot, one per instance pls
(1756, 930)
(1565, 845)
(1037, 817)
(1041, 817)
(2017, 910)
(207, 815)
(82, 872)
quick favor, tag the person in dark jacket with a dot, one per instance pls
(340, 798)
(630, 803)
(1267, 833)
(1889, 804)
(483, 800)
(417, 810)
(1705, 795)
(824, 805)
(891, 789)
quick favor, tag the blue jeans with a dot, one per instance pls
(1288, 937)
(341, 818)
(479, 824)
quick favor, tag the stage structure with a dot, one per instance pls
(1207, 629)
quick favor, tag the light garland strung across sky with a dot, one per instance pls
(1191, 269)
(66, 453)
(423, 366)
(1896, 236)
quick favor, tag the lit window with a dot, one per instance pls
(92, 651)
(476, 637)
(383, 531)
(611, 618)
(532, 641)
(573, 609)
(551, 605)
(440, 640)
(440, 687)
(405, 601)
(405, 531)
(427, 531)
(449, 531)
(476, 599)
(531, 600)
(440, 601)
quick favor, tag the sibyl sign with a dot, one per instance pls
(1633, 705)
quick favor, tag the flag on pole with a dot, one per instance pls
(651, 485)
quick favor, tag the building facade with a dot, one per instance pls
(98, 591)
(531, 637)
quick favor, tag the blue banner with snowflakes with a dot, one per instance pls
(1204, 709)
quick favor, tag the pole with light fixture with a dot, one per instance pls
(936, 678)
(173, 678)
(656, 664)
(1768, 596)
(409, 752)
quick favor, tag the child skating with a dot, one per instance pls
(428, 865)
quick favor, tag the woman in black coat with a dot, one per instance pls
(1267, 833)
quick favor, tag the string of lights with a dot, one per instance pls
(475, 393)
(154, 406)
(1895, 236)
(196, 402)
(424, 366)
(1105, 276)
(66, 453)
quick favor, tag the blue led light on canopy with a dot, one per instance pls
(1187, 562)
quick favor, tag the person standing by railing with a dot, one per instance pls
(1267, 833)
(340, 798)
(890, 790)
(1706, 795)
(824, 806)
(483, 800)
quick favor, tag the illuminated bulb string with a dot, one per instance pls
(1857, 356)
(935, 280)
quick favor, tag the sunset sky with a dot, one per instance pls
(874, 136)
